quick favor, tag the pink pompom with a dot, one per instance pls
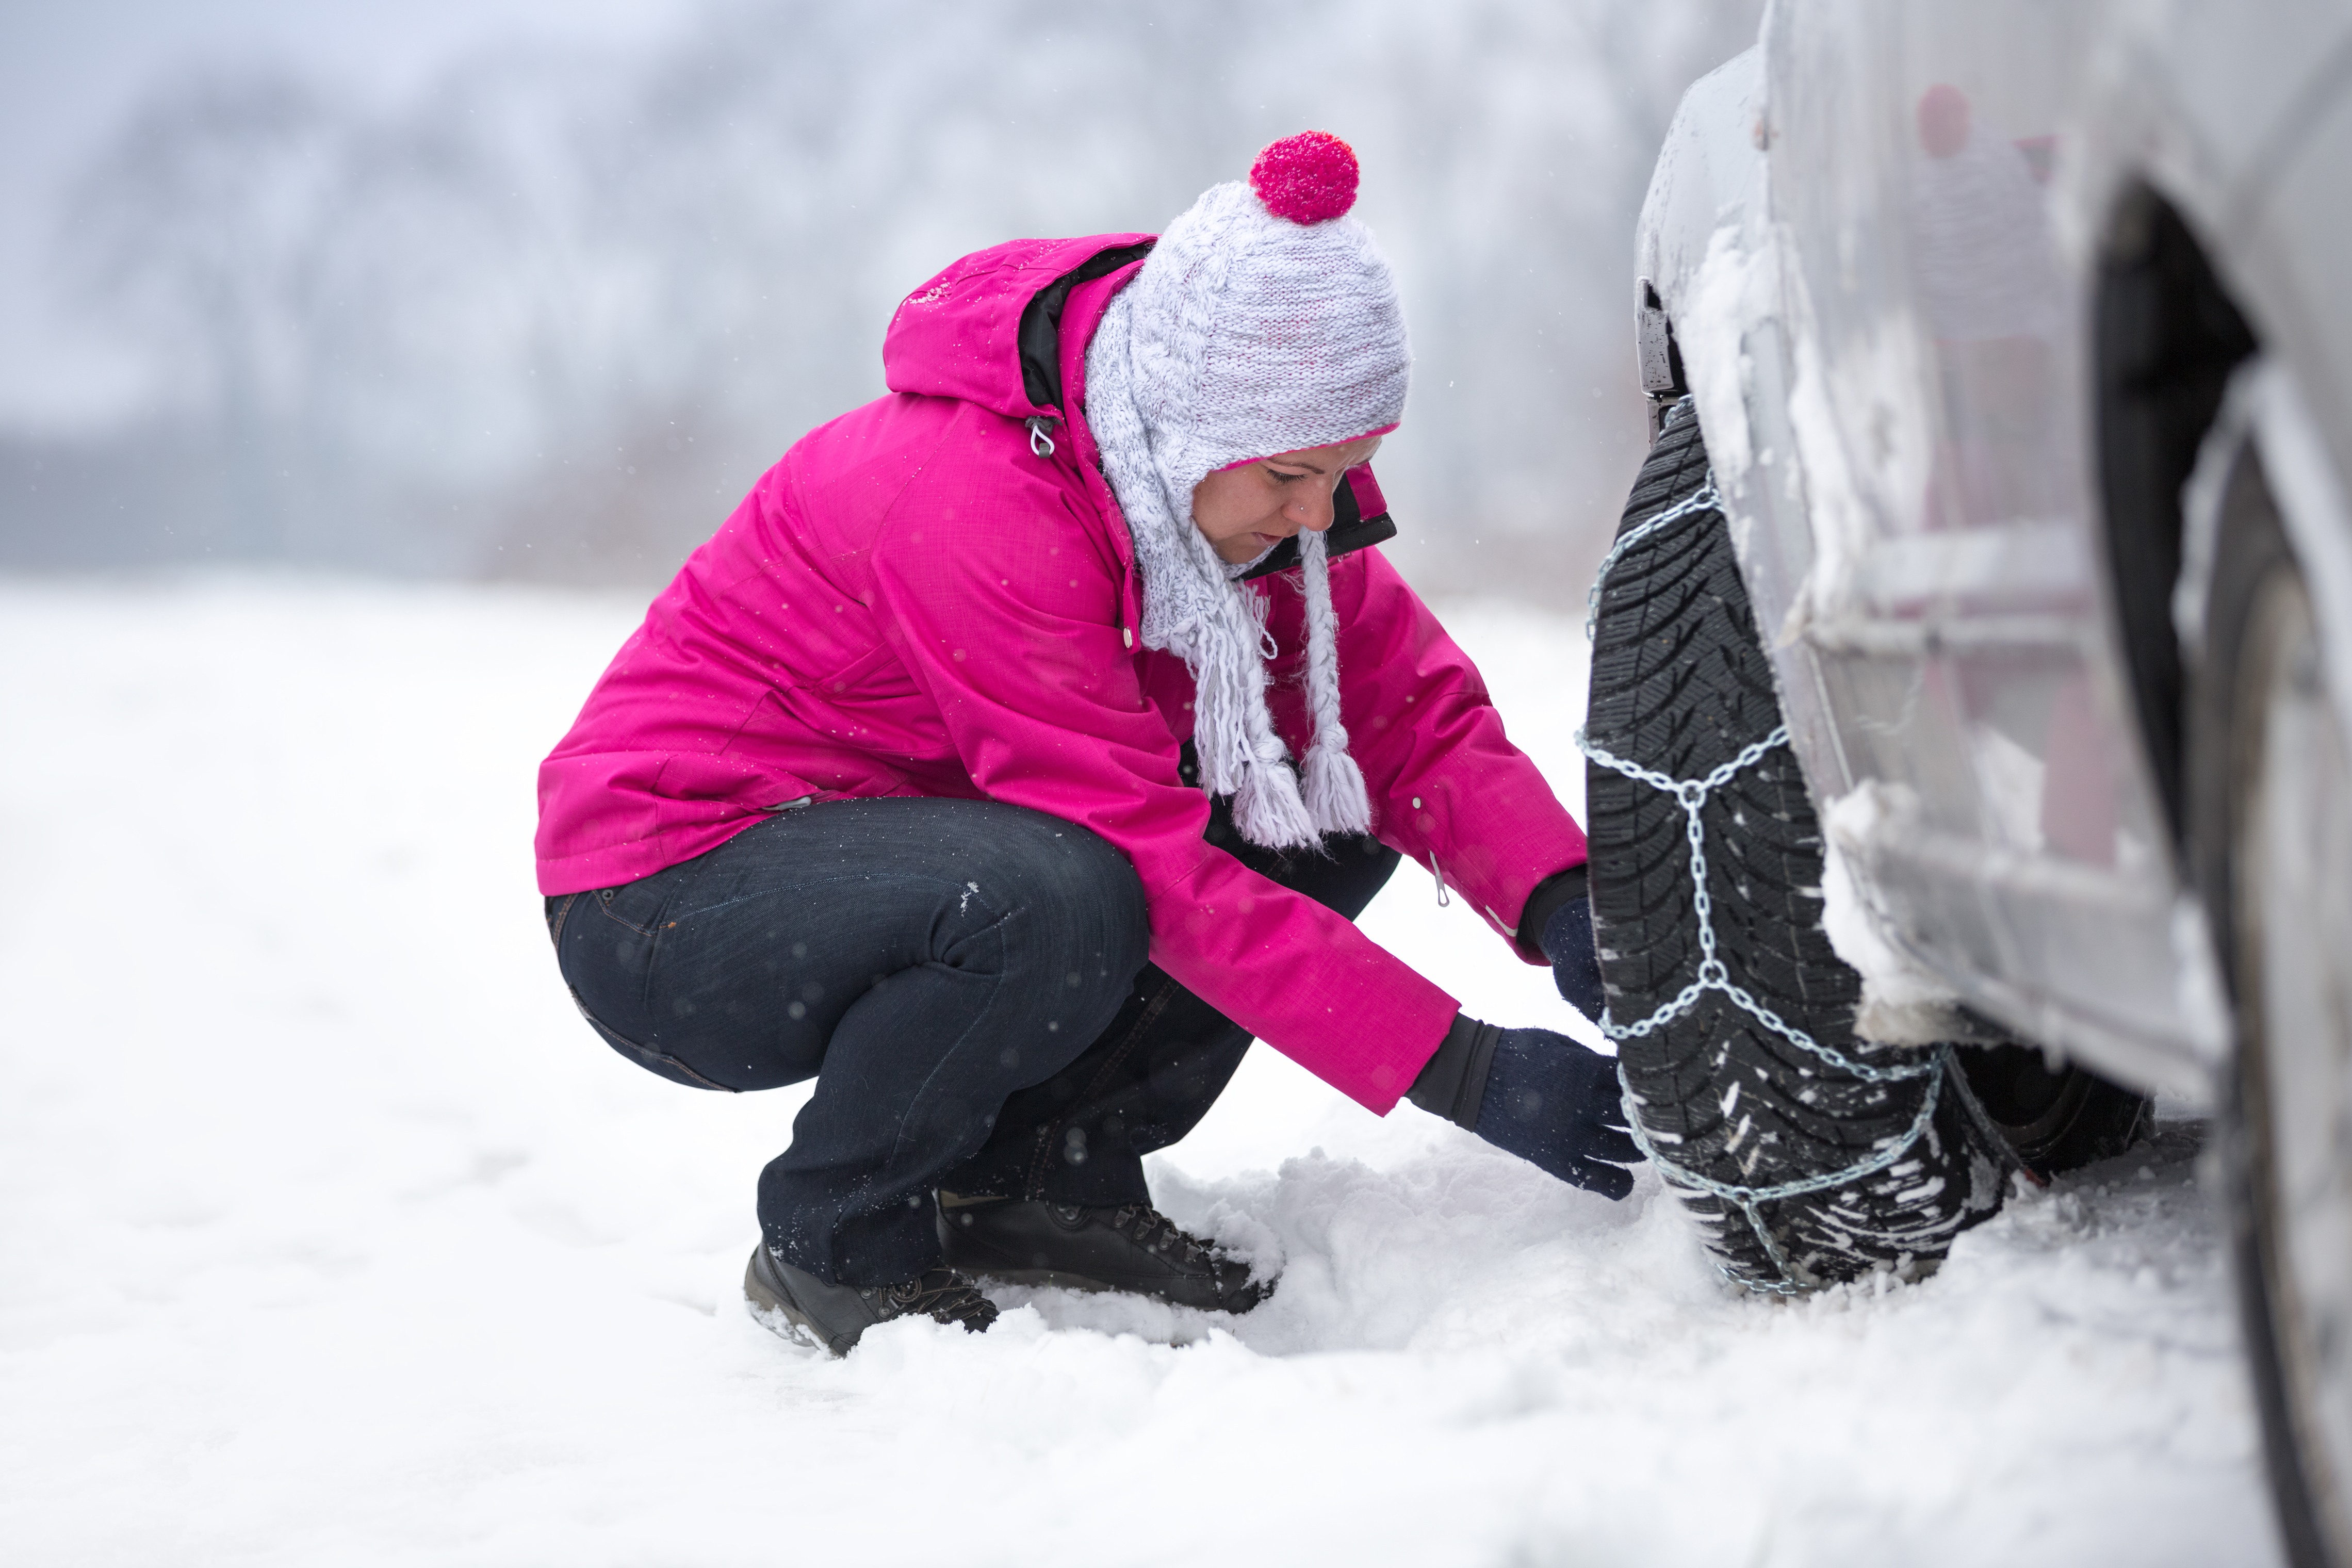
(1306, 178)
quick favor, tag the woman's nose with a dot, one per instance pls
(1313, 512)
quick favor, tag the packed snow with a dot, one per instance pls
(333, 1236)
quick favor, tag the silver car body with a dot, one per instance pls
(1877, 239)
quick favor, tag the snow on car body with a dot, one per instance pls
(2014, 330)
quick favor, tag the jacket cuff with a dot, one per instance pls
(1454, 1082)
(1559, 887)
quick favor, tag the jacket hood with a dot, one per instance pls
(985, 329)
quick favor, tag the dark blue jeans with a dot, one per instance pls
(966, 981)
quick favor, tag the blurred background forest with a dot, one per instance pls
(539, 300)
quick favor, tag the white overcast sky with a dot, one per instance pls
(70, 69)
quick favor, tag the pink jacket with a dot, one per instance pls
(914, 603)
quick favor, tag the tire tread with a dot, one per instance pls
(1680, 685)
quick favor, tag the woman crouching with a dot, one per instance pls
(956, 772)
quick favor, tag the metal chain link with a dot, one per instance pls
(1747, 1199)
(1704, 499)
(1714, 974)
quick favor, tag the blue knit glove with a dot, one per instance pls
(1557, 1105)
(1567, 940)
(1538, 1095)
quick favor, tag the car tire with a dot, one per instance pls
(2053, 1120)
(1806, 1156)
(2271, 783)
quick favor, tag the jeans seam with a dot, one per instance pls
(994, 928)
(668, 1061)
(647, 1051)
(555, 925)
(1149, 1015)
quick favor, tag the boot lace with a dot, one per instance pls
(1155, 1232)
(942, 1294)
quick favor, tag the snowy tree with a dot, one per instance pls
(551, 317)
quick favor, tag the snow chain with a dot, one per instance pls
(1714, 974)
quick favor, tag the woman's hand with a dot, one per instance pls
(1557, 1105)
(1567, 940)
(1541, 1096)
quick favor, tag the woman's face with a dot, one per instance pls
(1246, 512)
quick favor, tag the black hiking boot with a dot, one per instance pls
(1135, 1248)
(783, 1297)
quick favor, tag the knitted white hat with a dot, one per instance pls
(1266, 320)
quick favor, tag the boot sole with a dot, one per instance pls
(777, 1312)
(1248, 1296)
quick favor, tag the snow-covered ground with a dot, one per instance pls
(330, 1234)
